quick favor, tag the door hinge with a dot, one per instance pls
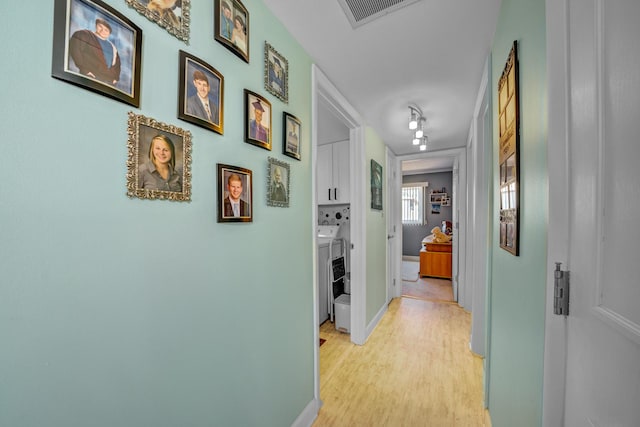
(560, 291)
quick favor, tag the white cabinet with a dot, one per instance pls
(333, 173)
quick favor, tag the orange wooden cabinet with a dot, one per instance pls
(435, 260)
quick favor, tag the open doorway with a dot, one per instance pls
(329, 104)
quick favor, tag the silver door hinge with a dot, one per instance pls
(560, 291)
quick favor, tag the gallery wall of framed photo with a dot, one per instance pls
(124, 260)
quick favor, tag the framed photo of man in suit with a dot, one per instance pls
(235, 194)
(97, 48)
(200, 93)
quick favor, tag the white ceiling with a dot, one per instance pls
(429, 53)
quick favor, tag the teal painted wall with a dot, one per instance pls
(518, 283)
(376, 236)
(129, 312)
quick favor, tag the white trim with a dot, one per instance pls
(374, 322)
(323, 91)
(308, 414)
(555, 345)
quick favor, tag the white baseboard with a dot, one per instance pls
(410, 258)
(375, 321)
(308, 415)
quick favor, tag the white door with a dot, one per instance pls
(594, 60)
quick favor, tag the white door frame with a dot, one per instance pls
(394, 219)
(555, 346)
(323, 91)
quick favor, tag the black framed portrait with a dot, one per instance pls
(235, 194)
(97, 48)
(257, 119)
(159, 160)
(376, 185)
(291, 128)
(200, 93)
(231, 28)
(276, 73)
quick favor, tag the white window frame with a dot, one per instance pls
(418, 218)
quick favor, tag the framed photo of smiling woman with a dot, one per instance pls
(200, 94)
(159, 161)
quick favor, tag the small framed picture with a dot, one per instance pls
(278, 181)
(235, 194)
(231, 20)
(257, 119)
(159, 160)
(200, 94)
(276, 73)
(376, 185)
(97, 48)
(291, 135)
(172, 15)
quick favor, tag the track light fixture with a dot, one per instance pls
(415, 115)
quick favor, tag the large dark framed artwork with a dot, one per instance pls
(257, 120)
(291, 127)
(231, 29)
(172, 15)
(159, 160)
(276, 73)
(376, 185)
(235, 194)
(509, 156)
(97, 48)
(200, 93)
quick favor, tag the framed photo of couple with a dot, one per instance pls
(235, 194)
(97, 48)
(231, 28)
(200, 93)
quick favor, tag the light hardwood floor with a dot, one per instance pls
(416, 369)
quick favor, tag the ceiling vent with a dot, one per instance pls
(360, 12)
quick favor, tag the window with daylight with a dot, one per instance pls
(413, 204)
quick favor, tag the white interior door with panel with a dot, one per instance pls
(592, 356)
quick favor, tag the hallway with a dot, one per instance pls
(415, 370)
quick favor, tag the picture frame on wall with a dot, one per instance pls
(231, 27)
(110, 68)
(276, 73)
(278, 181)
(376, 185)
(509, 153)
(291, 127)
(257, 119)
(200, 93)
(172, 15)
(235, 194)
(159, 160)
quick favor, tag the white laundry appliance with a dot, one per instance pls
(330, 247)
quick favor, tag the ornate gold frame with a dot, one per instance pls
(141, 130)
(166, 20)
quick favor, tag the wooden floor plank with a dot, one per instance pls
(416, 369)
